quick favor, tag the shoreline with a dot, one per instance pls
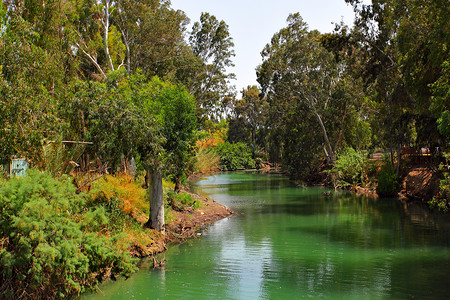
(186, 225)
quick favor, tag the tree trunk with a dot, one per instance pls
(177, 184)
(399, 157)
(106, 27)
(331, 156)
(156, 219)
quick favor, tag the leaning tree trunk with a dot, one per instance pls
(156, 219)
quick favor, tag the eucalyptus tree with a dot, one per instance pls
(173, 110)
(178, 122)
(248, 119)
(212, 44)
(403, 48)
(27, 89)
(297, 70)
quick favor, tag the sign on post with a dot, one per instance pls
(18, 167)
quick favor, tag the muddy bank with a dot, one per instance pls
(420, 184)
(189, 223)
(184, 225)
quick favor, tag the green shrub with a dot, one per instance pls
(180, 201)
(235, 156)
(105, 213)
(48, 249)
(352, 167)
(387, 181)
(442, 198)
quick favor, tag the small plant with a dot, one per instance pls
(442, 198)
(59, 158)
(387, 180)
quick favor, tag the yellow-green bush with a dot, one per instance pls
(49, 249)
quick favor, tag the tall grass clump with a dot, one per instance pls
(207, 160)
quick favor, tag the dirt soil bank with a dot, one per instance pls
(185, 224)
(420, 184)
(189, 222)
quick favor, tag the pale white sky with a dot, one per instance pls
(253, 23)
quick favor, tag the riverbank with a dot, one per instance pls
(183, 225)
(57, 242)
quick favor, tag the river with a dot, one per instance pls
(289, 242)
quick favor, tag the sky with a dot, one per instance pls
(253, 23)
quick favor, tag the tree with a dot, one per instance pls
(27, 91)
(314, 104)
(174, 108)
(248, 118)
(441, 100)
(402, 47)
(212, 44)
(297, 69)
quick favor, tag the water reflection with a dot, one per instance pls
(289, 242)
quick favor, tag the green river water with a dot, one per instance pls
(289, 242)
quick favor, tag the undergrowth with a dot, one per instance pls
(57, 243)
(442, 199)
(353, 168)
(51, 246)
(180, 201)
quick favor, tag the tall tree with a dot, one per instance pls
(212, 44)
(402, 44)
(27, 90)
(248, 118)
(314, 105)
(297, 68)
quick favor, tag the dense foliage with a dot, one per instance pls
(387, 181)
(235, 156)
(442, 199)
(352, 168)
(51, 247)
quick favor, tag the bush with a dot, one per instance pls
(352, 168)
(207, 160)
(387, 181)
(180, 201)
(235, 156)
(47, 249)
(123, 191)
(442, 199)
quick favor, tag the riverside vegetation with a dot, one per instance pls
(93, 90)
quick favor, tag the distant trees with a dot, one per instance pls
(248, 118)
(310, 97)
(383, 83)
